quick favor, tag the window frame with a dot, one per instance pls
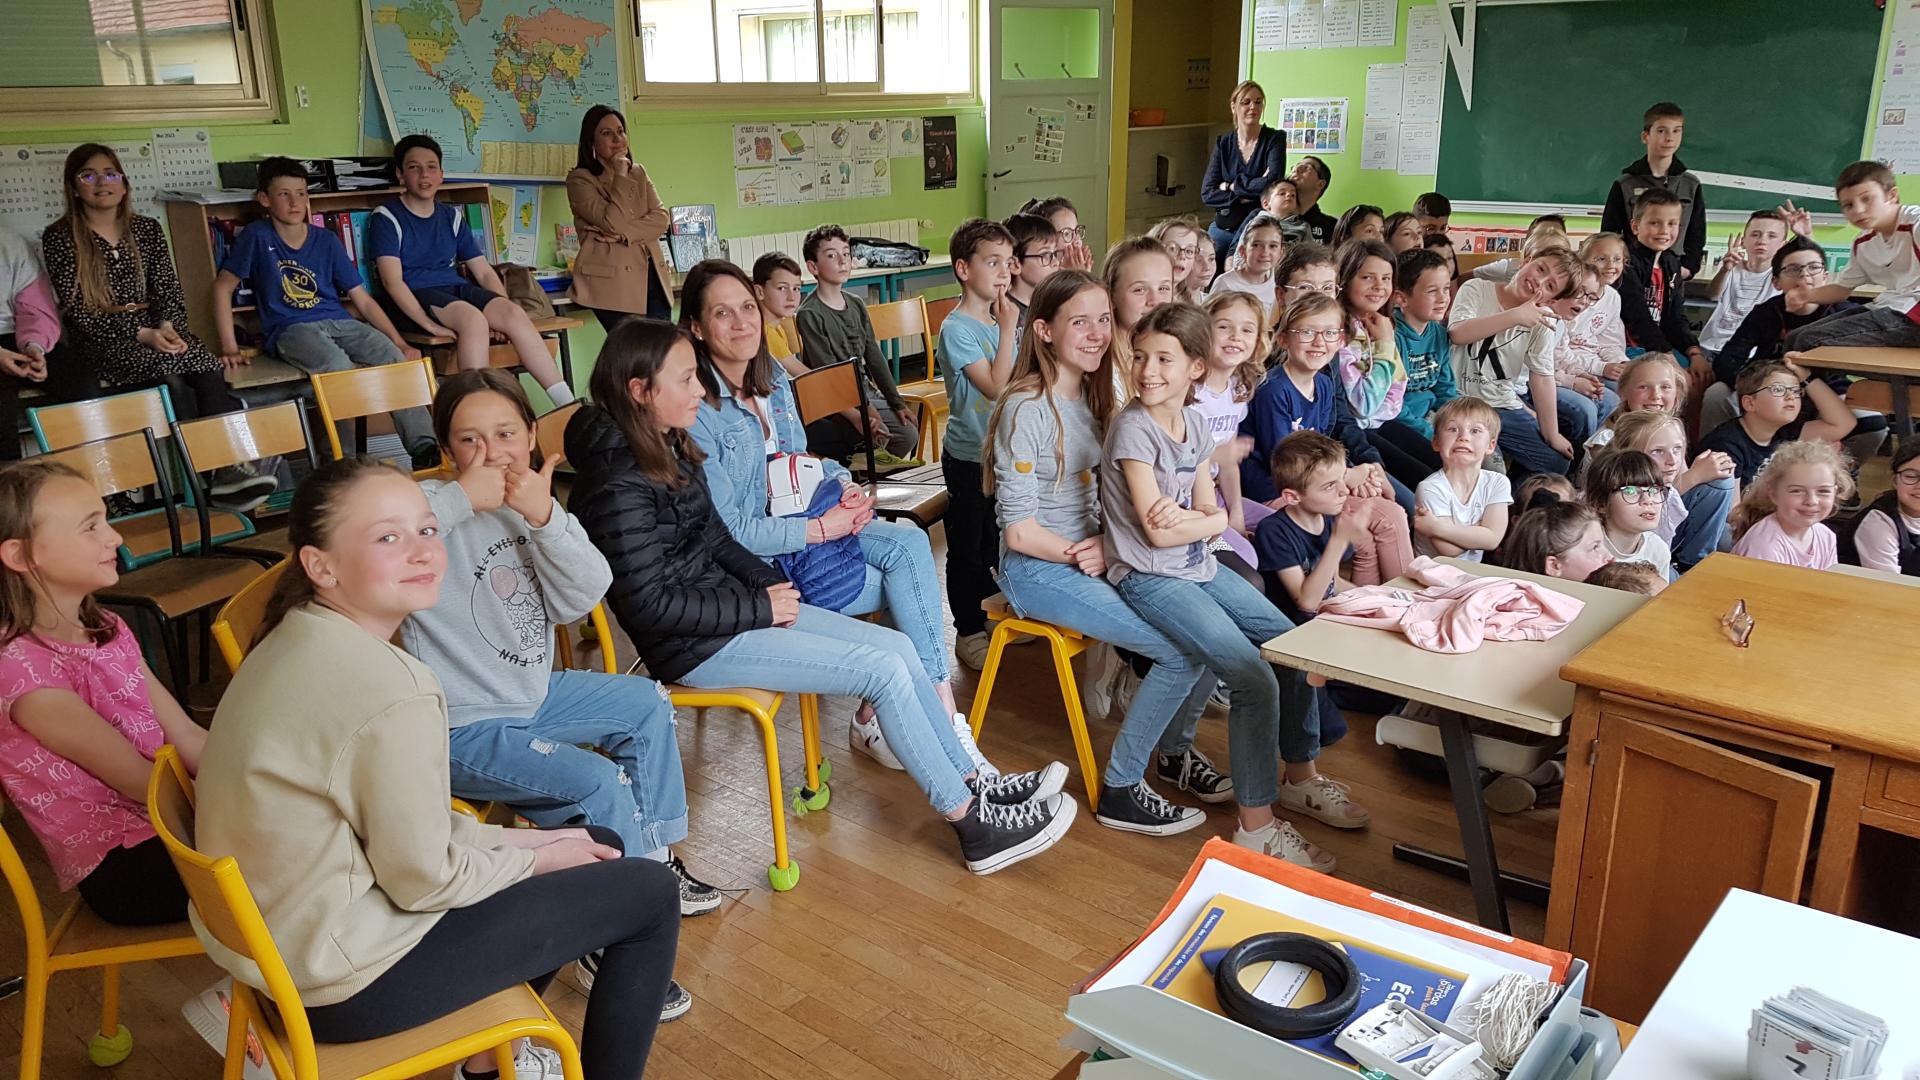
(255, 98)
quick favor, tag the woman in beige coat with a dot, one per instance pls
(620, 220)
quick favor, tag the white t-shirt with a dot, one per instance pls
(1651, 550)
(1437, 497)
(1238, 281)
(1743, 289)
(1497, 374)
(1890, 262)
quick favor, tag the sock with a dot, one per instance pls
(472, 1075)
(561, 393)
(659, 854)
(1262, 831)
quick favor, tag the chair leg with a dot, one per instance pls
(784, 874)
(814, 795)
(503, 1059)
(1076, 719)
(996, 646)
(33, 1025)
(238, 1018)
(562, 648)
(113, 1043)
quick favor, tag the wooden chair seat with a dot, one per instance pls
(271, 544)
(550, 324)
(182, 585)
(923, 504)
(930, 393)
(377, 1057)
(439, 347)
(1878, 396)
(145, 535)
(87, 933)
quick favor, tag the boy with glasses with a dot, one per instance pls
(1771, 416)
(1036, 255)
(1799, 269)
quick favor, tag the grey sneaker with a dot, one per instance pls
(1324, 799)
(696, 896)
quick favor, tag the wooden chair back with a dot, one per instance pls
(364, 391)
(904, 321)
(828, 390)
(126, 462)
(550, 429)
(239, 619)
(215, 442)
(57, 427)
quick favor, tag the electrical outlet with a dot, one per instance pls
(301, 96)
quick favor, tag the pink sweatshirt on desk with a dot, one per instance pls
(1457, 610)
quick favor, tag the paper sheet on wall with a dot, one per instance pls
(833, 140)
(753, 146)
(1426, 41)
(1340, 24)
(1419, 149)
(1383, 91)
(903, 136)
(1303, 24)
(795, 185)
(793, 142)
(1311, 124)
(755, 187)
(1896, 130)
(1380, 145)
(870, 138)
(185, 159)
(1377, 23)
(1269, 25)
(1896, 139)
(1906, 16)
(872, 175)
(1420, 89)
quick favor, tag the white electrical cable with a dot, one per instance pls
(1503, 1017)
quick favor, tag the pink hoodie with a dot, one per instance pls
(1457, 610)
(28, 310)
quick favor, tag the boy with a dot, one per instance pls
(1036, 255)
(834, 326)
(1770, 416)
(1462, 509)
(776, 287)
(1422, 289)
(298, 275)
(1883, 255)
(1311, 178)
(1281, 200)
(1745, 277)
(1661, 130)
(1442, 245)
(1299, 553)
(1799, 268)
(976, 360)
(1652, 292)
(1432, 211)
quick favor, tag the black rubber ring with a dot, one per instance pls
(1333, 964)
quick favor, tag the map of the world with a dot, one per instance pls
(501, 84)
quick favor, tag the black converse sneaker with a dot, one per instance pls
(696, 896)
(678, 999)
(994, 837)
(1191, 771)
(1009, 789)
(1141, 809)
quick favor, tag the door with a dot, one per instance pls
(1673, 822)
(1050, 101)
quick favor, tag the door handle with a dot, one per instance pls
(1003, 172)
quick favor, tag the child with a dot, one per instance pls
(1259, 253)
(1771, 417)
(1883, 255)
(834, 326)
(1306, 268)
(1626, 490)
(1633, 577)
(1067, 230)
(1361, 222)
(1423, 289)
(1036, 255)
(1652, 293)
(1139, 278)
(1502, 354)
(1372, 375)
(299, 274)
(1561, 539)
(1433, 211)
(1402, 232)
(1661, 129)
(776, 288)
(1693, 519)
(1205, 267)
(1780, 516)
(1595, 340)
(1311, 177)
(1235, 366)
(1799, 269)
(81, 714)
(419, 246)
(1298, 551)
(1442, 245)
(1745, 277)
(1887, 536)
(1463, 507)
(976, 360)
(1160, 513)
(29, 342)
(1550, 483)
(1546, 231)
(1582, 386)
(1282, 200)
(1182, 240)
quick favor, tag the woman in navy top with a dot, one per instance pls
(1245, 160)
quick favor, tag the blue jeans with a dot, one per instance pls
(341, 345)
(1166, 709)
(1527, 452)
(900, 576)
(825, 652)
(1220, 625)
(1700, 534)
(535, 764)
(1592, 413)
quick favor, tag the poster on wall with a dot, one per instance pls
(1312, 124)
(1269, 26)
(940, 151)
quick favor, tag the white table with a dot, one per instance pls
(1756, 947)
(1874, 575)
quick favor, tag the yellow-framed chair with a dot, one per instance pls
(227, 910)
(364, 391)
(79, 940)
(1065, 644)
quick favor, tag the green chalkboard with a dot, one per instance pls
(1770, 90)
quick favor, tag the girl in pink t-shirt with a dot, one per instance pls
(80, 713)
(1779, 518)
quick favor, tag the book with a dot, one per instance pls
(693, 236)
(357, 226)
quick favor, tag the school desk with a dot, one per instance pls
(1513, 683)
(1695, 766)
(1893, 366)
(1753, 948)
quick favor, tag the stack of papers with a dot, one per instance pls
(1806, 1033)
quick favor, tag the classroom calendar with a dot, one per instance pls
(170, 159)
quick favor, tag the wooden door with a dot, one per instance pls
(1673, 822)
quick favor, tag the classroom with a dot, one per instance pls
(1384, 533)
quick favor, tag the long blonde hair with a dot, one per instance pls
(90, 271)
(1245, 377)
(1038, 365)
(20, 486)
(1757, 502)
(1118, 256)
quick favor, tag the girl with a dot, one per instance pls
(30, 355)
(1259, 253)
(419, 244)
(703, 610)
(1139, 278)
(1306, 268)
(1652, 382)
(1580, 385)
(1182, 239)
(620, 220)
(1403, 233)
(1059, 211)
(390, 908)
(749, 425)
(1625, 489)
(1372, 374)
(1779, 517)
(1502, 354)
(1556, 538)
(1043, 464)
(81, 714)
(1693, 520)
(1888, 534)
(1161, 513)
(1205, 266)
(1360, 222)
(1235, 367)
(1595, 341)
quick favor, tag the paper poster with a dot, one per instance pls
(1906, 16)
(1049, 134)
(185, 159)
(1380, 145)
(1314, 124)
(1420, 89)
(1383, 91)
(753, 146)
(1377, 23)
(940, 152)
(523, 226)
(870, 137)
(1426, 41)
(903, 136)
(1340, 24)
(833, 140)
(1419, 148)
(793, 142)
(796, 184)
(1896, 138)
(833, 179)
(755, 187)
(872, 175)
(1269, 25)
(1303, 24)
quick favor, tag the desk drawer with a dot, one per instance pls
(1894, 786)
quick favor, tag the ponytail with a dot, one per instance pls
(310, 522)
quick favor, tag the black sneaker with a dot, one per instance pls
(678, 999)
(1141, 809)
(994, 837)
(1191, 771)
(1010, 789)
(696, 896)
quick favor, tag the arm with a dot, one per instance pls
(1611, 344)
(68, 726)
(1445, 532)
(36, 316)
(1308, 588)
(1482, 327)
(988, 374)
(1214, 191)
(483, 275)
(1227, 456)
(1144, 492)
(1878, 542)
(1673, 320)
(574, 576)
(877, 367)
(816, 338)
(375, 316)
(1834, 421)
(1025, 435)
(1540, 387)
(653, 219)
(761, 533)
(223, 285)
(624, 521)
(1359, 450)
(1273, 164)
(186, 736)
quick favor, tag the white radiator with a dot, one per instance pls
(742, 251)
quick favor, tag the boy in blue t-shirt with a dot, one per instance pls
(418, 246)
(298, 275)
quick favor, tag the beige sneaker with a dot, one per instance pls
(1282, 841)
(1326, 800)
(971, 649)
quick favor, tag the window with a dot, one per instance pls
(135, 60)
(764, 47)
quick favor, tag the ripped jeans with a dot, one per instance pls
(536, 764)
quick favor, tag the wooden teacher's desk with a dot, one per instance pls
(1695, 766)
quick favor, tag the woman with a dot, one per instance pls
(749, 417)
(704, 611)
(620, 220)
(390, 909)
(1245, 160)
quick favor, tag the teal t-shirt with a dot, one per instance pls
(965, 341)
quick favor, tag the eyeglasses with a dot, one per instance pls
(108, 177)
(1635, 495)
(1306, 336)
(1908, 477)
(1073, 235)
(1781, 390)
(1184, 251)
(1329, 288)
(1805, 270)
(1589, 297)
(1044, 258)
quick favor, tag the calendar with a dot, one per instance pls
(171, 159)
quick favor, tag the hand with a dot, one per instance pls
(1686, 274)
(838, 522)
(1792, 360)
(569, 853)
(1239, 448)
(496, 337)
(1798, 220)
(621, 165)
(1005, 312)
(1735, 257)
(232, 359)
(1355, 521)
(1587, 385)
(1378, 326)
(1709, 466)
(1699, 368)
(1561, 446)
(408, 352)
(786, 603)
(876, 427)
(1165, 513)
(1615, 370)
(157, 340)
(1357, 480)
(1076, 256)
(1377, 486)
(434, 329)
(1089, 555)
(170, 339)
(486, 487)
(530, 492)
(36, 363)
(855, 497)
(18, 365)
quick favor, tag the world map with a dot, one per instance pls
(500, 84)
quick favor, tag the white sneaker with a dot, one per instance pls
(867, 739)
(963, 731)
(971, 649)
(533, 1062)
(1096, 686)
(1282, 841)
(1326, 800)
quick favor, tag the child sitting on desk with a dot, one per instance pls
(834, 326)
(1883, 255)
(1781, 517)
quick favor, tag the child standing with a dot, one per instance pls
(1298, 551)
(29, 342)
(1502, 354)
(1771, 417)
(1463, 507)
(1036, 255)
(1780, 518)
(1423, 289)
(1883, 255)
(419, 246)
(834, 326)
(1745, 277)
(1662, 128)
(1888, 534)
(1627, 492)
(1372, 375)
(776, 288)
(1652, 292)
(1259, 253)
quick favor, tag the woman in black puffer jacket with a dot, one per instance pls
(704, 611)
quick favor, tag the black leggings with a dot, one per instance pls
(136, 886)
(1407, 455)
(69, 378)
(630, 908)
(195, 393)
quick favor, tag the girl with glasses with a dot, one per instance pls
(1182, 239)
(1888, 534)
(1628, 493)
